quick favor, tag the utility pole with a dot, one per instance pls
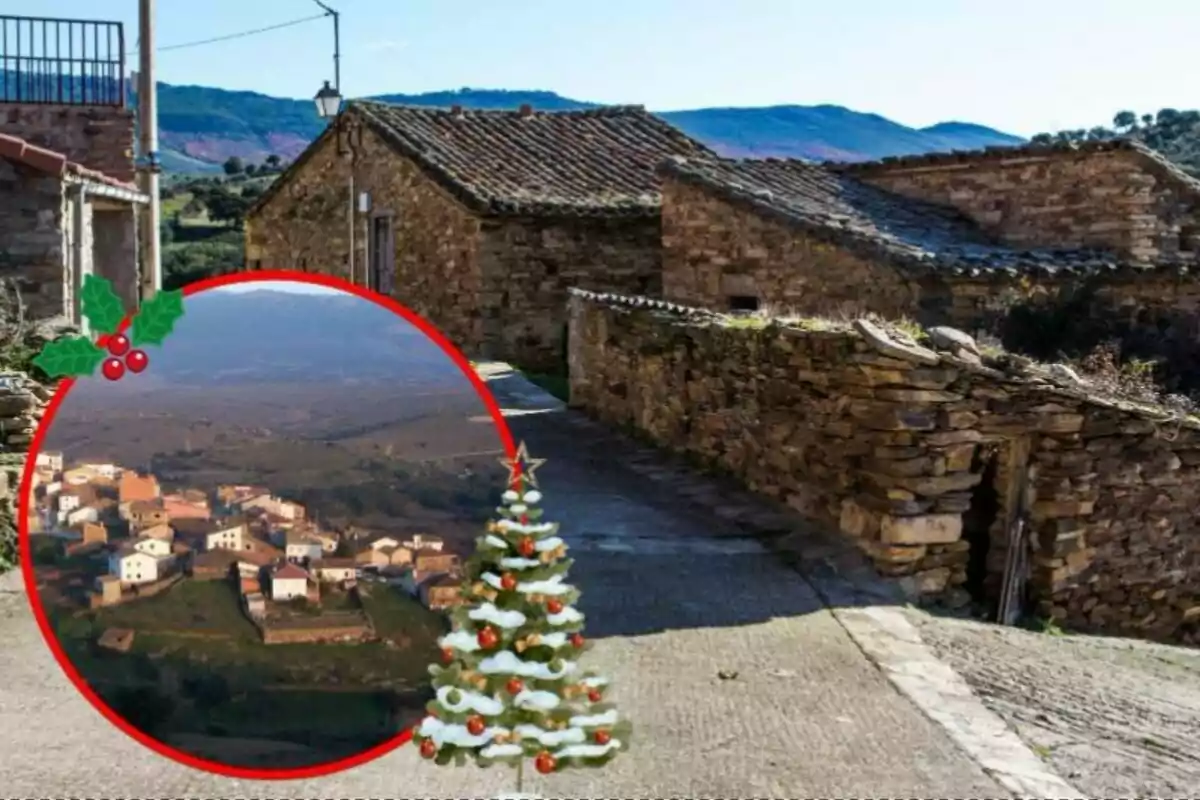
(148, 167)
(337, 46)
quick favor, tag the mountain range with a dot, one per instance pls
(201, 126)
(265, 336)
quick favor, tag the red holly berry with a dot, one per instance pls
(554, 606)
(576, 640)
(545, 763)
(113, 369)
(476, 726)
(525, 547)
(118, 344)
(594, 696)
(488, 638)
(447, 654)
(508, 582)
(602, 737)
(514, 686)
(137, 361)
(428, 748)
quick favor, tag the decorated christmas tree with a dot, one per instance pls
(511, 687)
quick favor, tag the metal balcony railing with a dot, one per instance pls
(62, 61)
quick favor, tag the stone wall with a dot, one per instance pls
(21, 406)
(100, 138)
(33, 247)
(1115, 199)
(714, 250)
(1153, 314)
(306, 226)
(922, 456)
(528, 266)
(278, 634)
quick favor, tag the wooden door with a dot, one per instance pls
(381, 259)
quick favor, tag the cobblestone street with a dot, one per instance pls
(1116, 717)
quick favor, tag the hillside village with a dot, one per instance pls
(296, 580)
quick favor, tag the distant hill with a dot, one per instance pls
(201, 126)
(268, 336)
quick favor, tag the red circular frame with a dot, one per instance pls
(35, 601)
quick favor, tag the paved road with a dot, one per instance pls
(674, 596)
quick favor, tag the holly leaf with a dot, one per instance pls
(103, 309)
(157, 318)
(70, 356)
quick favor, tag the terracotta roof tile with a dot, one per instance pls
(290, 571)
(595, 162)
(914, 235)
(52, 163)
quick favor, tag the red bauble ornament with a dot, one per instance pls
(602, 737)
(514, 686)
(594, 696)
(137, 361)
(488, 638)
(545, 763)
(113, 369)
(508, 582)
(447, 654)
(118, 344)
(525, 547)
(576, 640)
(554, 606)
(428, 748)
(476, 726)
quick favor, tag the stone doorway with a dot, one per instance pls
(981, 516)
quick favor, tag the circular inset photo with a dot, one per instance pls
(246, 516)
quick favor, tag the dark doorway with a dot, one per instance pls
(381, 255)
(977, 525)
(743, 302)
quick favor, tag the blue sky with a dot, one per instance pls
(1021, 65)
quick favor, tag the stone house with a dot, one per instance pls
(957, 239)
(61, 221)
(477, 220)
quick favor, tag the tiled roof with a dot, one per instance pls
(595, 162)
(1154, 161)
(52, 163)
(912, 234)
(286, 571)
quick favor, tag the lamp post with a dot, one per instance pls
(337, 50)
(329, 101)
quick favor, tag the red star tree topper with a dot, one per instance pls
(115, 353)
(512, 688)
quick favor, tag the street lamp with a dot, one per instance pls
(329, 101)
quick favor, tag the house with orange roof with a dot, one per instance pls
(132, 487)
(288, 581)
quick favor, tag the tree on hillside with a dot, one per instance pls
(511, 688)
(250, 170)
(273, 161)
(1174, 133)
(234, 166)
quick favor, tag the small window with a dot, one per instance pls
(743, 302)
